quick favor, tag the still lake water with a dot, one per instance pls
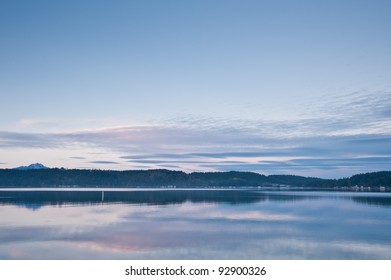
(194, 224)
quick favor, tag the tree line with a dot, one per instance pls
(61, 177)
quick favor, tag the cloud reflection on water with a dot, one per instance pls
(316, 227)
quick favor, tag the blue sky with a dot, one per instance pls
(275, 87)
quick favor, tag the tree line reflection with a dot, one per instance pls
(36, 199)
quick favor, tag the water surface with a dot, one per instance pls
(193, 224)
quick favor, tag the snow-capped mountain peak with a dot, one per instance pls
(32, 166)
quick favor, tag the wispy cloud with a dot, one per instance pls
(352, 134)
(37, 123)
(27, 140)
(194, 149)
(103, 162)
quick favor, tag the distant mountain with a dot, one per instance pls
(32, 166)
(37, 175)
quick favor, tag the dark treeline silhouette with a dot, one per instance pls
(60, 177)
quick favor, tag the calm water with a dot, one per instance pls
(194, 224)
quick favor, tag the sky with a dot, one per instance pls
(273, 87)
